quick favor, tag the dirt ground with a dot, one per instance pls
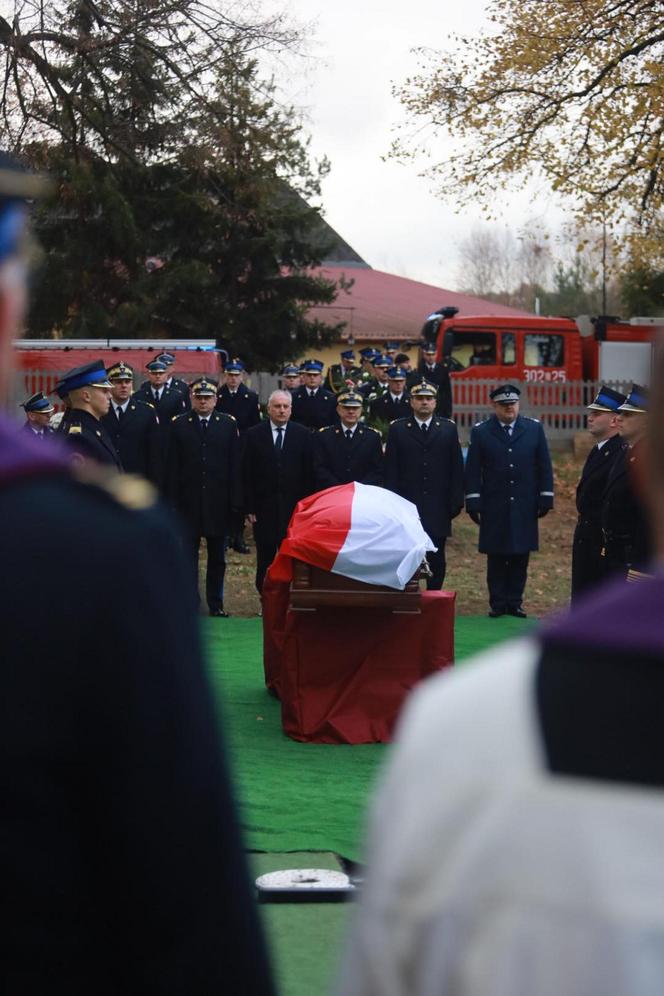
(548, 575)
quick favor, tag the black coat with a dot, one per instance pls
(243, 406)
(427, 470)
(339, 461)
(509, 480)
(203, 479)
(121, 863)
(387, 410)
(171, 404)
(626, 531)
(440, 376)
(587, 562)
(49, 433)
(136, 439)
(87, 436)
(274, 485)
(182, 387)
(316, 412)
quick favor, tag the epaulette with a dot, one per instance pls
(74, 429)
(530, 418)
(179, 415)
(446, 419)
(377, 431)
(323, 428)
(479, 423)
(130, 490)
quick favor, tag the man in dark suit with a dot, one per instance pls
(423, 463)
(277, 474)
(204, 484)
(349, 451)
(121, 862)
(133, 427)
(87, 390)
(171, 380)
(395, 401)
(168, 401)
(434, 373)
(603, 425)
(237, 400)
(628, 543)
(38, 410)
(313, 406)
(509, 486)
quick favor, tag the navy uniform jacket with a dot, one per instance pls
(203, 477)
(86, 435)
(181, 386)
(316, 412)
(508, 481)
(427, 470)
(243, 406)
(440, 376)
(387, 410)
(338, 460)
(121, 865)
(273, 487)
(171, 403)
(49, 433)
(626, 532)
(136, 439)
(587, 567)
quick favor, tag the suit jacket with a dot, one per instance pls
(274, 484)
(316, 412)
(137, 439)
(171, 403)
(427, 470)
(509, 479)
(387, 410)
(440, 376)
(243, 406)
(204, 473)
(86, 435)
(339, 461)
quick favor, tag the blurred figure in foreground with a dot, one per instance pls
(38, 410)
(516, 840)
(121, 865)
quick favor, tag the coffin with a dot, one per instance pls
(313, 588)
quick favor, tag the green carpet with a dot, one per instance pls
(293, 796)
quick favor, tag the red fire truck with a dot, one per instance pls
(543, 350)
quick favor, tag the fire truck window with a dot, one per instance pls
(544, 350)
(473, 349)
(509, 348)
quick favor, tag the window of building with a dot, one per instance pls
(543, 350)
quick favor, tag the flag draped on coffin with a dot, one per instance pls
(357, 530)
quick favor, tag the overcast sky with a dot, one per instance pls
(385, 210)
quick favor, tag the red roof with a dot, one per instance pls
(383, 306)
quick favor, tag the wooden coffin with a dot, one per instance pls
(313, 588)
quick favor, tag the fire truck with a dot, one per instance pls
(543, 350)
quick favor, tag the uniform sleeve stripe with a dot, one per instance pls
(549, 494)
(474, 495)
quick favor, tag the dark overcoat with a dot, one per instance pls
(587, 562)
(427, 470)
(136, 439)
(172, 402)
(316, 412)
(243, 406)
(338, 460)
(386, 409)
(273, 485)
(625, 527)
(204, 473)
(508, 481)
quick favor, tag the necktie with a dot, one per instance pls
(204, 423)
(156, 396)
(312, 394)
(508, 430)
(424, 428)
(278, 443)
(349, 434)
(119, 413)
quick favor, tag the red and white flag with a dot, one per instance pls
(357, 530)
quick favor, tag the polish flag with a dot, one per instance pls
(357, 530)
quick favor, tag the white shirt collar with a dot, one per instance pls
(348, 428)
(275, 427)
(122, 407)
(427, 423)
(600, 444)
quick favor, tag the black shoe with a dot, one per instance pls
(519, 613)
(219, 613)
(496, 613)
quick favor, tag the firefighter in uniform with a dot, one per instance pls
(604, 426)
(204, 483)
(349, 451)
(509, 485)
(423, 463)
(133, 426)
(339, 373)
(237, 400)
(167, 401)
(87, 390)
(38, 410)
(313, 406)
(171, 381)
(435, 373)
(395, 401)
(291, 378)
(627, 537)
